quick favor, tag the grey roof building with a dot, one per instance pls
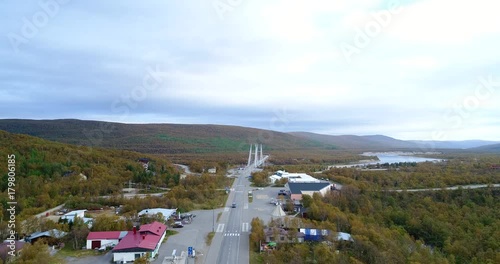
(297, 189)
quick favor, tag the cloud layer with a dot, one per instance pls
(412, 70)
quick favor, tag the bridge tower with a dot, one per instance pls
(250, 156)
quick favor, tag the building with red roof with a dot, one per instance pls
(155, 228)
(137, 243)
(104, 239)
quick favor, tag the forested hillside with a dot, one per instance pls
(389, 226)
(49, 172)
(159, 138)
(460, 226)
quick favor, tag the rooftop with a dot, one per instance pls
(49, 233)
(299, 187)
(137, 241)
(146, 239)
(155, 228)
(152, 211)
(293, 177)
(106, 235)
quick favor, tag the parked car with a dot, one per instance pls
(234, 205)
(178, 224)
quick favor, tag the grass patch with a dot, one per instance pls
(169, 233)
(256, 258)
(68, 251)
(208, 239)
(218, 216)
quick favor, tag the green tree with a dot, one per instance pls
(78, 233)
(108, 223)
(37, 253)
(257, 233)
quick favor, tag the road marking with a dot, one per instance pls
(220, 228)
(231, 234)
(244, 227)
(226, 209)
(262, 197)
(245, 206)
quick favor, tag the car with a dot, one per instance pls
(178, 224)
(234, 205)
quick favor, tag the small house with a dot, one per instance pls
(70, 217)
(138, 243)
(167, 213)
(101, 240)
(144, 162)
(52, 235)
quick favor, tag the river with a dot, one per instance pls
(389, 157)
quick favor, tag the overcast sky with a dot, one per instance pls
(408, 69)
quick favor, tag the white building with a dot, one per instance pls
(137, 243)
(70, 217)
(297, 189)
(101, 240)
(292, 177)
(153, 211)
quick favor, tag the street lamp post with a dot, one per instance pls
(213, 219)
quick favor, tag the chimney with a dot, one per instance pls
(143, 237)
(135, 230)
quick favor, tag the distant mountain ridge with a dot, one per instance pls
(488, 148)
(193, 138)
(358, 142)
(465, 144)
(157, 138)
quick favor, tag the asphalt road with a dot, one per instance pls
(230, 243)
(470, 186)
(234, 247)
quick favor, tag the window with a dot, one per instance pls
(136, 256)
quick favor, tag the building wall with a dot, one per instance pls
(103, 242)
(310, 193)
(322, 191)
(296, 197)
(130, 256)
(153, 254)
(325, 190)
(125, 256)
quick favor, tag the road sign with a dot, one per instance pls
(190, 251)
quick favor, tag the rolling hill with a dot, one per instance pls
(465, 144)
(47, 173)
(378, 142)
(193, 139)
(494, 148)
(158, 138)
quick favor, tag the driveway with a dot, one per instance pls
(106, 258)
